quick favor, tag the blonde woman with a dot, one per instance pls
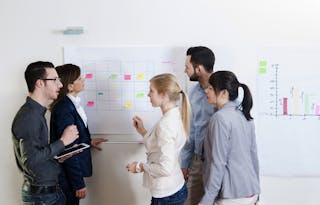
(162, 173)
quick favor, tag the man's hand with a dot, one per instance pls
(96, 141)
(185, 173)
(62, 159)
(81, 193)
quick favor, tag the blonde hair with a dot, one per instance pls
(168, 83)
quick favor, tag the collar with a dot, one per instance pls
(75, 100)
(230, 104)
(172, 110)
(42, 110)
(199, 88)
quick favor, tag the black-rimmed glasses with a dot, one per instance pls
(56, 80)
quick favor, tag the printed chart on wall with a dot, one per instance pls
(117, 83)
(289, 111)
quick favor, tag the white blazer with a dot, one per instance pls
(164, 142)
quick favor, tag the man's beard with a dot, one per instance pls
(194, 77)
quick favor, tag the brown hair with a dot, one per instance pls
(68, 74)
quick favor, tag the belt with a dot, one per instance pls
(38, 189)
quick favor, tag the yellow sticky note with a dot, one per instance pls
(140, 76)
(128, 105)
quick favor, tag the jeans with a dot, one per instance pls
(56, 198)
(177, 198)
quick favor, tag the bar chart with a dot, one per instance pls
(288, 111)
(286, 99)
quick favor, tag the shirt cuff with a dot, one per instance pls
(79, 185)
(185, 164)
(146, 167)
(57, 147)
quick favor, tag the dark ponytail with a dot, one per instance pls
(226, 80)
(247, 102)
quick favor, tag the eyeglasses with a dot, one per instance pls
(56, 80)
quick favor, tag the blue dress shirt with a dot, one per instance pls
(201, 113)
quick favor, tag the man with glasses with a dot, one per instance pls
(34, 155)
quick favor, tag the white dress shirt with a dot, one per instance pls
(162, 172)
(79, 108)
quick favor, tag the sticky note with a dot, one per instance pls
(128, 105)
(113, 76)
(127, 77)
(90, 103)
(263, 63)
(140, 95)
(114, 85)
(89, 75)
(262, 70)
(140, 76)
(317, 109)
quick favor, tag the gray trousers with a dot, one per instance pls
(195, 181)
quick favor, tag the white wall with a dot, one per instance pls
(30, 31)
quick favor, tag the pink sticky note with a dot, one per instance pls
(317, 109)
(89, 75)
(127, 77)
(90, 103)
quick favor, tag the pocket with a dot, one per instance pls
(49, 199)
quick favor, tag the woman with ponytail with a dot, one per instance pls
(162, 173)
(231, 167)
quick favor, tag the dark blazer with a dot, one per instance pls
(80, 165)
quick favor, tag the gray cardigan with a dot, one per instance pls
(231, 167)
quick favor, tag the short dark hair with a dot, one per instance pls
(201, 55)
(35, 71)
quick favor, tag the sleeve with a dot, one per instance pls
(254, 152)
(62, 119)
(219, 135)
(32, 149)
(165, 135)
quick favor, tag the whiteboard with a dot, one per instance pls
(117, 83)
(289, 111)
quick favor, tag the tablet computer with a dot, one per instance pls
(72, 150)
